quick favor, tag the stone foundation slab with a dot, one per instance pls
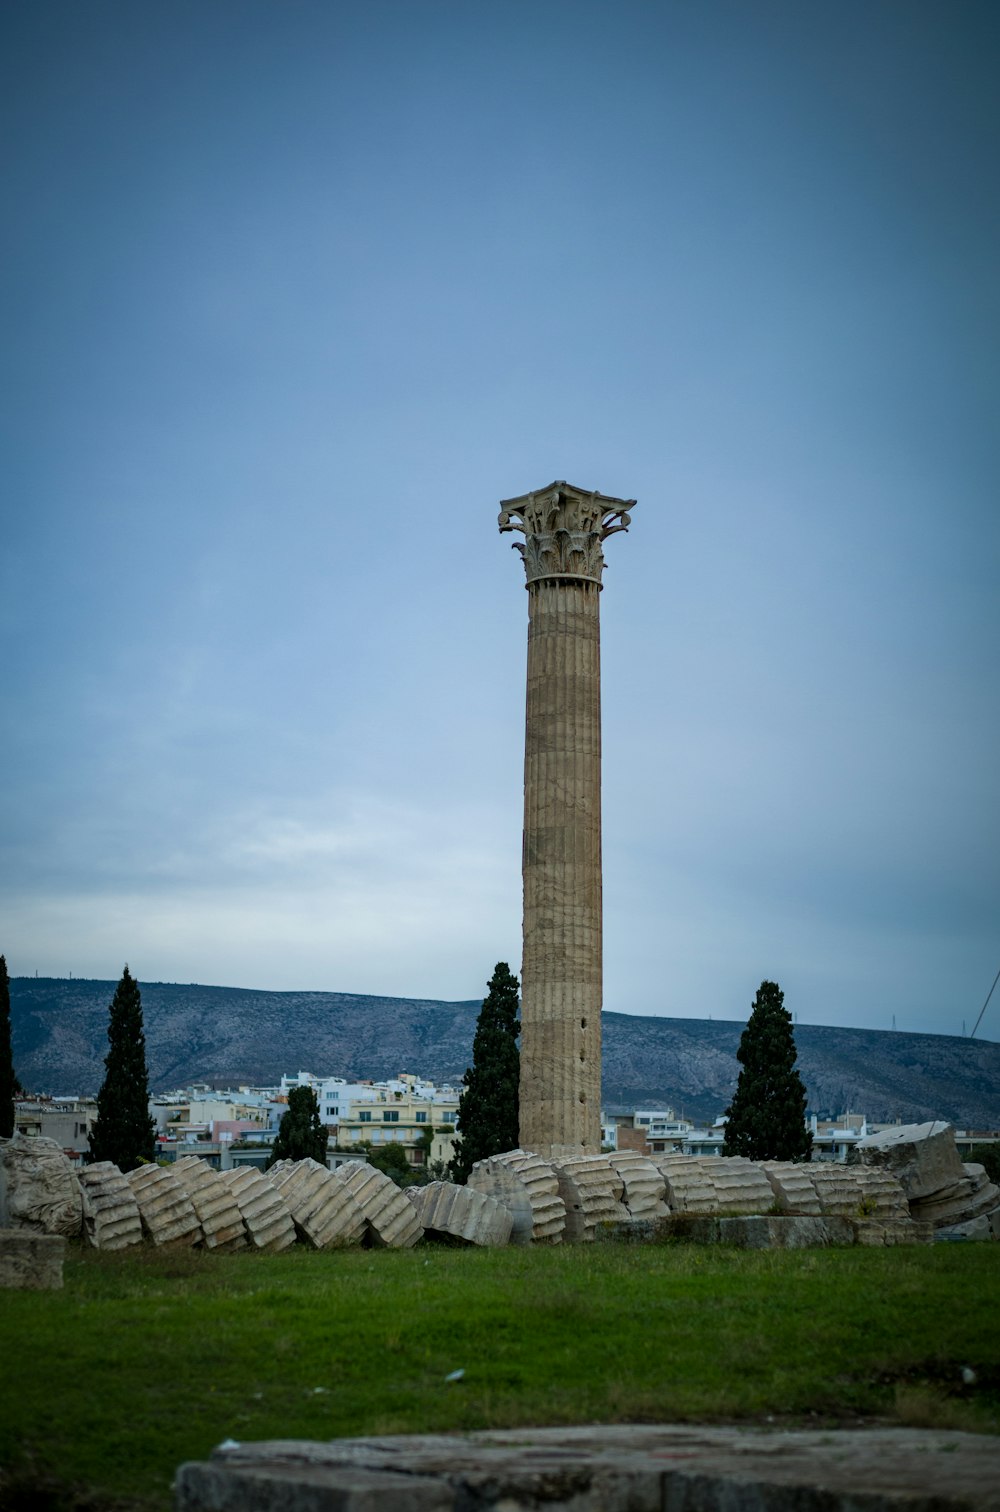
(620, 1468)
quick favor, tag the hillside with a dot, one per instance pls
(231, 1036)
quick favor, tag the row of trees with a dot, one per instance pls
(765, 1120)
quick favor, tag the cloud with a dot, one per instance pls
(390, 898)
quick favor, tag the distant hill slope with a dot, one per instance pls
(231, 1036)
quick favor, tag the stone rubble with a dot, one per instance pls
(517, 1197)
(529, 1188)
(264, 1211)
(977, 1230)
(591, 1191)
(461, 1212)
(792, 1187)
(391, 1220)
(690, 1188)
(323, 1210)
(949, 1197)
(923, 1157)
(166, 1210)
(839, 1192)
(110, 1212)
(643, 1185)
(972, 1198)
(38, 1188)
(881, 1195)
(215, 1206)
(741, 1186)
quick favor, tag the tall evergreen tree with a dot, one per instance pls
(8, 1081)
(123, 1132)
(300, 1133)
(488, 1108)
(766, 1119)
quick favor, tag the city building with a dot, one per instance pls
(67, 1120)
(659, 1131)
(407, 1110)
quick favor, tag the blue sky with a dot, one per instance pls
(295, 293)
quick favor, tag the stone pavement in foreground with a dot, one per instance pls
(621, 1468)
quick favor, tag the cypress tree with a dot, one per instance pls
(124, 1132)
(300, 1133)
(8, 1081)
(766, 1119)
(488, 1108)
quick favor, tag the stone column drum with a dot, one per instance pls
(561, 967)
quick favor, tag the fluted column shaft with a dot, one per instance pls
(564, 530)
(561, 970)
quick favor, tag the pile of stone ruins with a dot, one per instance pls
(909, 1187)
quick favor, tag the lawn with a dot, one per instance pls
(148, 1358)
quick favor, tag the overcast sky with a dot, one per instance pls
(295, 291)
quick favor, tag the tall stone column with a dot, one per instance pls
(561, 967)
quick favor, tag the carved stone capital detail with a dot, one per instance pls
(563, 529)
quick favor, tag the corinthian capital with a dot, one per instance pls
(563, 528)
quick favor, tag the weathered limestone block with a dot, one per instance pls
(214, 1204)
(760, 1230)
(948, 1202)
(801, 1231)
(324, 1211)
(528, 1187)
(887, 1231)
(110, 1212)
(985, 1192)
(31, 1260)
(617, 1179)
(390, 1219)
(635, 1231)
(792, 1187)
(923, 1157)
(166, 1210)
(962, 1202)
(38, 1187)
(975, 1231)
(643, 1185)
(976, 1174)
(741, 1185)
(462, 1212)
(264, 1211)
(690, 1188)
(588, 1187)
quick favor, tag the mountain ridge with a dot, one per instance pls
(231, 1036)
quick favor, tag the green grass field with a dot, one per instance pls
(148, 1358)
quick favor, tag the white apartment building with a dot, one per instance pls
(401, 1111)
(658, 1131)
